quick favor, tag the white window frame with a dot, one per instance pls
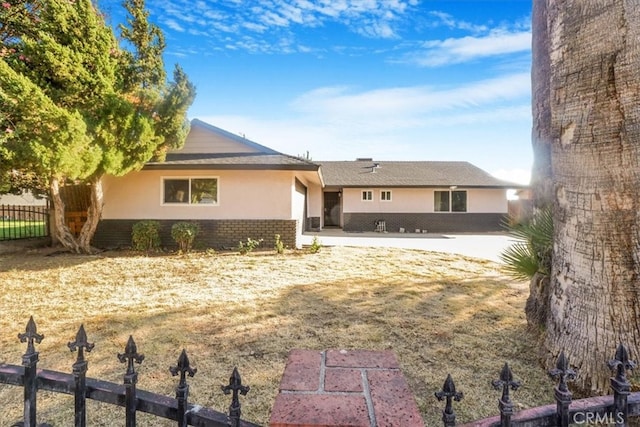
(189, 179)
(366, 195)
(382, 196)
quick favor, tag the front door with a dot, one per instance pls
(332, 209)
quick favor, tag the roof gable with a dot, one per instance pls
(209, 147)
(204, 138)
(365, 173)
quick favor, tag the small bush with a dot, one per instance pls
(183, 233)
(249, 246)
(279, 245)
(145, 236)
(315, 245)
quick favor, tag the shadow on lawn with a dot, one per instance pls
(435, 327)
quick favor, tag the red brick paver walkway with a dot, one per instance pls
(357, 388)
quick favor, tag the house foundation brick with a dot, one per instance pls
(217, 234)
(357, 388)
(450, 222)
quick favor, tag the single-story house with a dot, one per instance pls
(413, 196)
(233, 187)
(238, 189)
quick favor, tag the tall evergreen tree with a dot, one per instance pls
(77, 105)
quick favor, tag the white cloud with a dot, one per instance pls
(437, 53)
(341, 104)
(369, 18)
(449, 21)
(475, 122)
(173, 25)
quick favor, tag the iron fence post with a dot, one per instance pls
(129, 356)
(449, 393)
(30, 363)
(562, 394)
(80, 374)
(235, 386)
(620, 385)
(182, 391)
(505, 405)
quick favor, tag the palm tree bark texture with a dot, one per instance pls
(592, 51)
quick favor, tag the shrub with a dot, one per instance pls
(279, 245)
(245, 248)
(315, 245)
(532, 251)
(145, 235)
(183, 233)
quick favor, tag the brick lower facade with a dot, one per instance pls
(313, 223)
(217, 234)
(432, 222)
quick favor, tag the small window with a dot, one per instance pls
(385, 195)
(367, 195)
(190, 191)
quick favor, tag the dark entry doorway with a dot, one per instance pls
(332, 209)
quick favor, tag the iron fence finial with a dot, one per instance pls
(183, 367)
(505, 382)
(449, 393)
(563, 396)
(621, 363)
(30, 335)
(81, 343)
(563, 372)
(235, 386)
(130, 355)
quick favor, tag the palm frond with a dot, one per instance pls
(532, 252)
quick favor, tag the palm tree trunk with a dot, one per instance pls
(594, 54)
(541, 136)
(537, 308)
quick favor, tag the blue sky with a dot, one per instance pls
(388, 79)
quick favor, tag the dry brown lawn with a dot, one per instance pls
(439, 313)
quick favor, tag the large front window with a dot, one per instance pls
(190, 191)
(450, 201)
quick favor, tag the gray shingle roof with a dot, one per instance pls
(408, 174)
(276, 161)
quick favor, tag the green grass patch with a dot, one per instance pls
(20, 229)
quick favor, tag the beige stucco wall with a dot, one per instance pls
(314, 192)
(487, 200)
(420, 200)
(202, 140)
(241, 195)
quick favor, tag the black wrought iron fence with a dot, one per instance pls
(126, 395)
(23, 222)
(616, 409)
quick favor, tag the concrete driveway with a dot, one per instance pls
(485, 246)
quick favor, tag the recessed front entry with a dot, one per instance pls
(332, 209)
